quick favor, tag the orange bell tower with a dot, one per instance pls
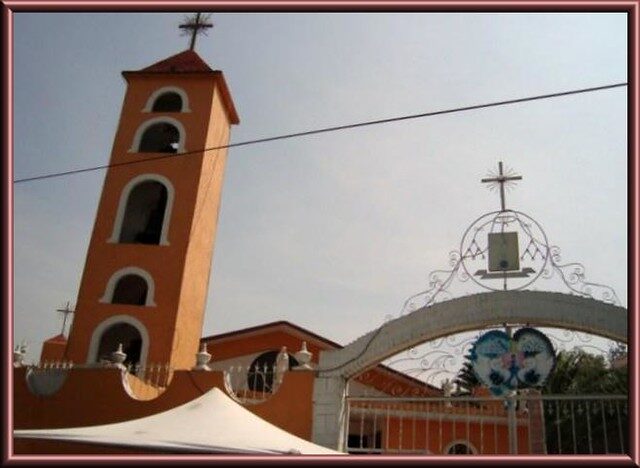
(147, 269)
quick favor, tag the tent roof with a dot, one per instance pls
(212, 423)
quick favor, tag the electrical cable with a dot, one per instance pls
(380, 328)
(325, 130)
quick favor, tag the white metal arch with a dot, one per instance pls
(468, 313)
(540, 308)
(124, 197)
(130, 270)
(94, 344)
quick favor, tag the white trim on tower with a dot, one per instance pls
(161, 119)
(92, 355)
(124, 197)
(167, 89)
(130, 270)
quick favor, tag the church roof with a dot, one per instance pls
(184, 62)
(281, 324)
(57, 339)
(305, 334)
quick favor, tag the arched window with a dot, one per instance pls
(162, 134)
(161, 137)
(117, 329)
(262, 371)
(168, 99)
(130, 285)
(130, 289)
(144, 214)
(135, 206)
(118, 333)
(167, 102)
(461, 448)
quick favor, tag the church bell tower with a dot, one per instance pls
(147, 269)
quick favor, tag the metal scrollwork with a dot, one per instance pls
(443, 358)
(573, 276)
(436, 359)
(439, 282)
(564, 339)
(474, 248)
(536, 259)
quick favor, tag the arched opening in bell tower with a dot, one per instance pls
(118, 333)
(130, 289)
(130, 285)
(144, 214)
(161, 137)
(168, 102)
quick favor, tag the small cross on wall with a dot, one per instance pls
(66, 311)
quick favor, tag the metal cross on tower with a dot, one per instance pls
(501, 179)
(66, 311)
(196, 25)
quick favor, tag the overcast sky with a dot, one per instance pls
(332, 232)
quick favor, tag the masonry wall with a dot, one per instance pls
(97, 396)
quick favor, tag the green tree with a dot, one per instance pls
(584, 425)
(466, 378)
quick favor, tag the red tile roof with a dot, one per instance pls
(283, 323)
(266, 326)
(184, 62)
(57, 339)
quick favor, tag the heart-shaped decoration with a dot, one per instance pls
(502, 363)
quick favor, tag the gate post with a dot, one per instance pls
(536, 428)
(329, 411)
(513, 428)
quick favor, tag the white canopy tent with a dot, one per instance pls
(212, 423)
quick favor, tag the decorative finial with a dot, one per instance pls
(282, 364)
(202, 359)
(118, 356)
(501, 179)
(303, 357)
(19, 354)
(195, 25)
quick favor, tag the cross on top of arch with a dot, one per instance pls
(501, 179)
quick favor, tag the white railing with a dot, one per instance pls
(251, 385)
(548, 424)
(44, 365)
(147, 382)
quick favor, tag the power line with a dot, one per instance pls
(326, 130)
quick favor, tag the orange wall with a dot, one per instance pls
(245, 344)
(197, 269)
(180, 270)
(290, 408)
(53, 351)
(488, 438)
(107, 402)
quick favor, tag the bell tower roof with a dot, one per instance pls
(189, 64)
(187, 61)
